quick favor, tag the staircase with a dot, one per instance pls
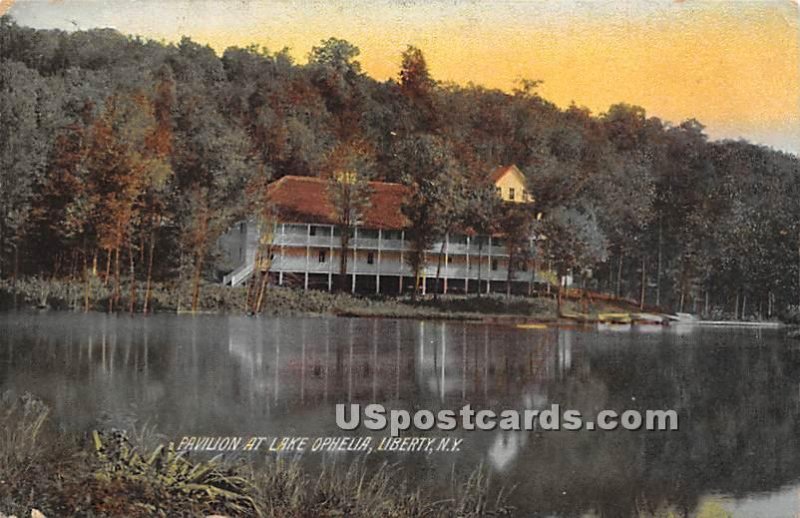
(239, 275)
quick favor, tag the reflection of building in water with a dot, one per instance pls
(505, 448)
(564, 352)
(331, 360)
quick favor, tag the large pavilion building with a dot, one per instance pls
(304, 243)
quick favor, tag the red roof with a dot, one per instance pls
(499, 172)
(304, 199)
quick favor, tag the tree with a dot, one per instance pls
(427, 167)
(350, 169)
(25, 141)
(481, 210)
(574, 240)
(516, 226)
(419, 89)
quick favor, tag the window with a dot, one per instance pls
(449, 259)
(242, 227)
(499, 191)
(511, 193)
(494, 264)
(323, 256)
(312, 230)
(525, 195)
(370, 258)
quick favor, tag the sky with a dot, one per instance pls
(733, 65)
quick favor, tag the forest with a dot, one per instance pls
(126, 158)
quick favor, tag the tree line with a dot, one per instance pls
(124, 159)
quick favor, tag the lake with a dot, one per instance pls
(736, 391)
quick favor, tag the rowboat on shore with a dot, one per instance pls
(648, 319)
(531, 326)
(614, 318)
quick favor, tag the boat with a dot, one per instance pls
(648, 318)
(531, 326)
(614, 318)
(683, 318)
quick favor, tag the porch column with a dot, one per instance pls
(355, 258)
(308, 251)
(378, 265)
(467, 273)
(402, 247)
(283, 263)
(446, 261)
(424, 278)
(489, 268)
(330, 262)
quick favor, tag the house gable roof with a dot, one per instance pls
(503, 170)
(305, 199)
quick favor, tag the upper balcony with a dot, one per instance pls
(312, 235)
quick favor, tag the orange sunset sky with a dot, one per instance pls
(733, 65)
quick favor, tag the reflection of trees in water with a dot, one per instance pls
(736, 394)
(738, 408)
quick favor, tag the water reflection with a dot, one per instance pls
(736, 392)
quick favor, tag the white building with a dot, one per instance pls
(304, 243)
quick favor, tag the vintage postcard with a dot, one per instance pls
(399, 258)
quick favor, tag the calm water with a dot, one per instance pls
(737, 393)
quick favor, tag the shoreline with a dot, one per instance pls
(34, 294)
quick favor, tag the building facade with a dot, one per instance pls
(303, 244)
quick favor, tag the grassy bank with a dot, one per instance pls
(61, 295)
(116, 473)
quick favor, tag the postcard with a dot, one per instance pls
(467, 258)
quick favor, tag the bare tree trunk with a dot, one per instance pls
(510, 271)
(250, 298)
(705, 308)
(744, 305)
(85, 283)
(108, 267)
(112, 300)
(198, 267)
(149, 281)
(559, 298)
(736, 308)
(344, 247)
(15, 274)
(619, 276)
(643, 281)
(549, 271)
(416, 285)
(262, 291)
(132, 302)
(439, 269)
(658, 270)
(3, 232)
